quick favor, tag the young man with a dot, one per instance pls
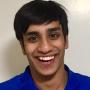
(42, 30)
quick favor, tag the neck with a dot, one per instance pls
(53, 82)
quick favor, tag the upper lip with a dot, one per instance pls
(47, 55)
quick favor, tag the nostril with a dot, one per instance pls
(45, 48)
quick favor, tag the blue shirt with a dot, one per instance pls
(24, 81)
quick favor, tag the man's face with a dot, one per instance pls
(44, 46)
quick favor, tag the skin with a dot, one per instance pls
(46, 41)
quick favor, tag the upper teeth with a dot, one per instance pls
(46, 58)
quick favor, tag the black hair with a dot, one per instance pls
(39, 12)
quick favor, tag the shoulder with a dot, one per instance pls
(13, 83)
(77, 81)
(19, 82)
(10, 84)
(83, 80)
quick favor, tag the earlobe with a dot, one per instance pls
(22, 47)
(66, 43)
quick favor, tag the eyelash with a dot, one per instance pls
(52, 36)
(33, 39)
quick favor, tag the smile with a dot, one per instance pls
(47, 58)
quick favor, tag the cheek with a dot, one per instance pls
(30, 49)
(59, 44)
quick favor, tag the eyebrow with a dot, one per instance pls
(31, 33)
(54, 29)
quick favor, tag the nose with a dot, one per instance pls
(45, 47)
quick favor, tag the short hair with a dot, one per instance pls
(39, 12)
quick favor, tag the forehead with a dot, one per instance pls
(44, 27)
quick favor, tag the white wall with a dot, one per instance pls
(13, 62)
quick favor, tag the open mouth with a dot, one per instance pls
(46, 59)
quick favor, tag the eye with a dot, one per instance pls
(33, 38)
(54, 36)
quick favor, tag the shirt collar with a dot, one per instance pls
(71, 83)
(30, 83)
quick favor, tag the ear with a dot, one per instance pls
(22, 47)
(66, 42)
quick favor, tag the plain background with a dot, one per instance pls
(12, 61)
